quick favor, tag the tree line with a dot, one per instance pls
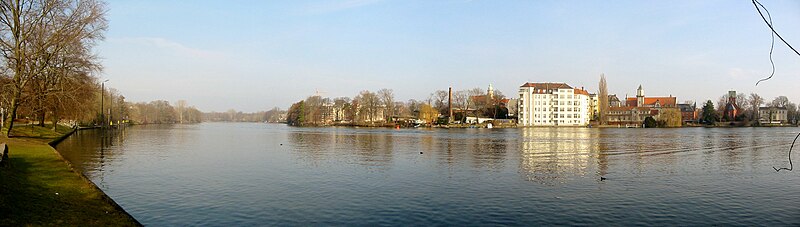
(381, 107)
(273, 115)
(750, 105)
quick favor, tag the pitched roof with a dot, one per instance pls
(627, 108)
(547, 85)
(770, 107)
(580, 92)
(686, 107)
(663, 101)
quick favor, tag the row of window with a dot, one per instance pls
(557, 115)
(568, 103)
(562, 109)
(559, 121)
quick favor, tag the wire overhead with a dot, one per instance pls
(774, 33)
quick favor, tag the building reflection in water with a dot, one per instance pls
(554, 155)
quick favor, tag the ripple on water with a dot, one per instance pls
(241, 175)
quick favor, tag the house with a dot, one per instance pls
(614, 101)
(629, 116)
(593, 106)
(689, 113)
(772, 115)
(552, 104)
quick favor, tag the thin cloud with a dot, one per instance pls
(738, 73)
(170, 45)
(333, 6)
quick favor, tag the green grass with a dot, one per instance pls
(37, 132)
(39, 188)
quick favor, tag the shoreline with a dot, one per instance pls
(41, 187)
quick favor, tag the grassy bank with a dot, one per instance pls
(39, 188)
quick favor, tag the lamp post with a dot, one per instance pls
(102, 97)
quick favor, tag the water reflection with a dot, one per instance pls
(373, 148)
(553, 155)
(278, 175)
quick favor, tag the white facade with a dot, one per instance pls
(552, 104)
(773, 115)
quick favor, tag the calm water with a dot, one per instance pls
(225, 174)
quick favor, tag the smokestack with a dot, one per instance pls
(450, 104)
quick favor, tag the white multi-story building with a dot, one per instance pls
(552, 104)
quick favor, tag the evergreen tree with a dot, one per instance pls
(709, 114)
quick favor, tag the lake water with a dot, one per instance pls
(239, 174)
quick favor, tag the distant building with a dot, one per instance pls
(688, 112)
(731, 108)
(511, 105)
(635, 110)
(772, 115)
(614, 101)
(629, 116)
(593, 107)
(552, 104)
(642, 101)
(489, 105)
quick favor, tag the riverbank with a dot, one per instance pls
(40, 188)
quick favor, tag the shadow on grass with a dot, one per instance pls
(38, 188)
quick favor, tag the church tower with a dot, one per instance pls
(640, 96)
(490, 92)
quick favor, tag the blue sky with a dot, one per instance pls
(255, 55)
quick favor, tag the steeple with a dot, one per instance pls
(640, 96)
(640, 91)
(490, 92)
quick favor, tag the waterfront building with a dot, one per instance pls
(772, 115)
(629, 116)
(641, 101)
(635, 110)
(593, 107)
(689, 112)
(552, 104)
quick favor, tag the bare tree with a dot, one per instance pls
(460, 99)
(339, 105)
(368, 106)
(602, 100)
(386, 97)
(780, 101)
(472, 99)
(180, 107)
(313, 109)
(37, 35)
(755, 102)
(440, 101)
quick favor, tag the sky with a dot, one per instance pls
(256, 55)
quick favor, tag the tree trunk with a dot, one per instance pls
(42, 117)
(13, 115)
(55, 121)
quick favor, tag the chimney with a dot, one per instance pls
(450, 104)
